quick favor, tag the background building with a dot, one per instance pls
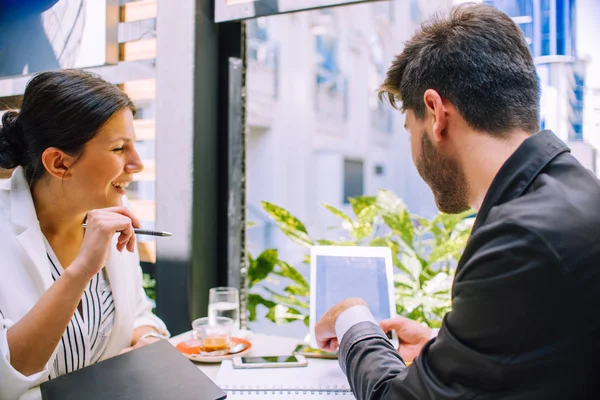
(317, 131)
(558, 32)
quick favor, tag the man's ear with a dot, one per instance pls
(435, 109)
(57, 163)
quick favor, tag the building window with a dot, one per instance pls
(577, 106)
(521, 11)
(258, 41)
(381, 114)
(545, 14)
(326, 43)
(353, 179)
(384, 10)
(561, 29)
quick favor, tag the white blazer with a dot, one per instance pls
(25, 276)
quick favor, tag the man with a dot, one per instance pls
(525, 319)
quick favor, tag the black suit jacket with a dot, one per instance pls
(525, 319)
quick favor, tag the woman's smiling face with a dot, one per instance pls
(100, 176)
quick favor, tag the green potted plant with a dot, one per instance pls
(424, 252)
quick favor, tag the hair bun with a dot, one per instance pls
(12, 146)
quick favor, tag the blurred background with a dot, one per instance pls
(280, 109)
(317, 132)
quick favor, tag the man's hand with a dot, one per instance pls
(412, 336)
(325, 328)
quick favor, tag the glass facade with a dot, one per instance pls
(548, 25)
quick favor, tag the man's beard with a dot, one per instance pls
(445, 177)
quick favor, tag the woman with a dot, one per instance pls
(67, 298)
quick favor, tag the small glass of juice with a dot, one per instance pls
(214, 336)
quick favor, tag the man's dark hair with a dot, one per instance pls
(477, 58)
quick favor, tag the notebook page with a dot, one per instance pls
(291, 396)
(318, 375)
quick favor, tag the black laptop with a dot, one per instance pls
(153, 372)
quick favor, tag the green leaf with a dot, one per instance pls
(340, 214)
(380, 242)
(262, 266)
(287, 271)
(361, 231)
(361, 202)
(367, 214)
(250, 224)
(404, 279)
(412, 265)
(451, 220)
(451, 249)
(149, 286)
(447, 223)
(282, 314)
(253, 301)
(306, 259)
(389, 203)
(288, 301)
(402, 225)
(439, 285)
(364, 226)
(289, 225)
(297, 291)
(324, 242)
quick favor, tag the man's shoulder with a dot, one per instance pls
(562, 210)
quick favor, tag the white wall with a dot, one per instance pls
(295, 152)
(585, 153)
(296, 161)
(588, 30)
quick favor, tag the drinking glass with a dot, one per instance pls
(224, 302)
(213, 337)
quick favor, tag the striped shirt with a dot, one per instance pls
(86, 336)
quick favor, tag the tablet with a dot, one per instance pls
(340, 272)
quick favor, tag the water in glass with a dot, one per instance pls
(224, 302)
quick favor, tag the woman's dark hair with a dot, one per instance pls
(63, 109)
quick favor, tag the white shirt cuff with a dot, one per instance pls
(351, 317)
(13, 384)
(434, 333)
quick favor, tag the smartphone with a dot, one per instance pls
(295, 360)
(311, 352)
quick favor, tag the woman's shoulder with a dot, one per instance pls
(4, 185)
(4, 200)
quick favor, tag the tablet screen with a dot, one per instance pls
(341, 277)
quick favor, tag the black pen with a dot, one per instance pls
(145, 232)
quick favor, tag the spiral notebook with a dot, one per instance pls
(321, 379)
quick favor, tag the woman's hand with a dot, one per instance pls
(45, 323)
(101, 225)
(140, 343)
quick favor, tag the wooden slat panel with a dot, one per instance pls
(143, 89)
(147, 251)
(10, 102)
(149, 172)
(145, 210)
(144, 49)
(138, 10)
(145, 129)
